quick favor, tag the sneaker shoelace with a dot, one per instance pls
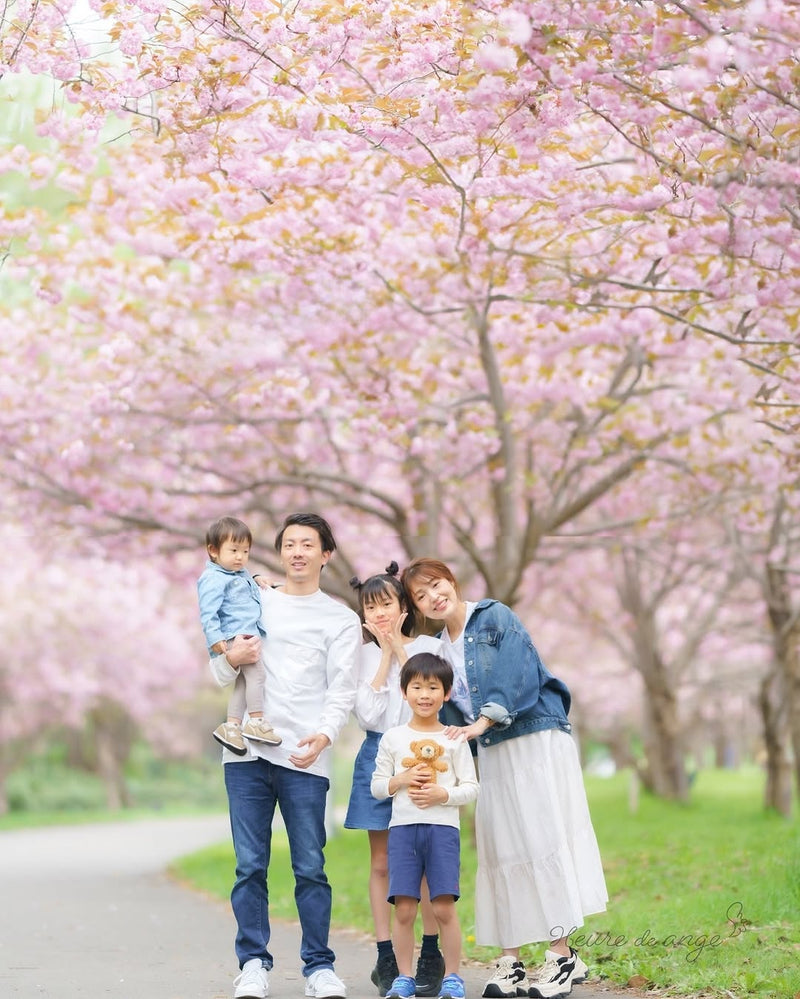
(452, 985)
(249, 976)
(403, 985)
(546, 972)
(326, 980)
(507, 968)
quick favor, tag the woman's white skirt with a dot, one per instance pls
(539, 869)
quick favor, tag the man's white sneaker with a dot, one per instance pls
(325, 984)
(252, 981)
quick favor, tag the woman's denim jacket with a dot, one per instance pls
(506, 678)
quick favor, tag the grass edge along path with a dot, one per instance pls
(704, 897)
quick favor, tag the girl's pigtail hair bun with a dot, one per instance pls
(392, 569)
(356, 583)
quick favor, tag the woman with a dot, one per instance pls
(539, 870)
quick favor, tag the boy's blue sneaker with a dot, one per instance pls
(403, 987)
(452, 987)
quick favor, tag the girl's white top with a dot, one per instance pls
(379, 710)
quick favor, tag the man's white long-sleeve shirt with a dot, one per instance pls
(311, 660)
(396, 753)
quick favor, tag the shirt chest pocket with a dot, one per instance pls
(487, 650)
(305, 667)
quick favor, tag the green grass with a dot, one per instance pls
(704, 897)
(45, 789)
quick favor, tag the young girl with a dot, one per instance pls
(388, 622)
(539, 870)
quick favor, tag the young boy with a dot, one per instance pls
(428, 777)
(230, 605)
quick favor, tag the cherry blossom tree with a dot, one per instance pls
(445, 257)
(566, 606)
(93, 642)
(644, 585)
(768, 546)
(660, 598)
(466, 276)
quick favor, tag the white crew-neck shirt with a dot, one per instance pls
(453, 652)
(311, 660)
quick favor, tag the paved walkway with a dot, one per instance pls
(89, 911)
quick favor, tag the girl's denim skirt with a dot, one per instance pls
(364, 811)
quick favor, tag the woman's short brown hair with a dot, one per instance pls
(427, 568)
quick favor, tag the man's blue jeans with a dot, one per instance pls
(254, 789)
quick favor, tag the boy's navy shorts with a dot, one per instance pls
(432, 850)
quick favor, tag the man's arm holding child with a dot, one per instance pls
(241, 652)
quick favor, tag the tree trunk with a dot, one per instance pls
(619, 746)
(113, 734)
(791, 675)
(772, 704)
(785, 639)
(80, 749)
(11, 755)
(5, 770)
(665, 771)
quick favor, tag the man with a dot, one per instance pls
(310, 656)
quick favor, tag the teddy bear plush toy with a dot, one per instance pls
(427, 751)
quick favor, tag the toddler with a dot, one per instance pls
(230, 605)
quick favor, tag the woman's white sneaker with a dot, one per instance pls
(508, 980)
(581, 968)
(553, 980)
